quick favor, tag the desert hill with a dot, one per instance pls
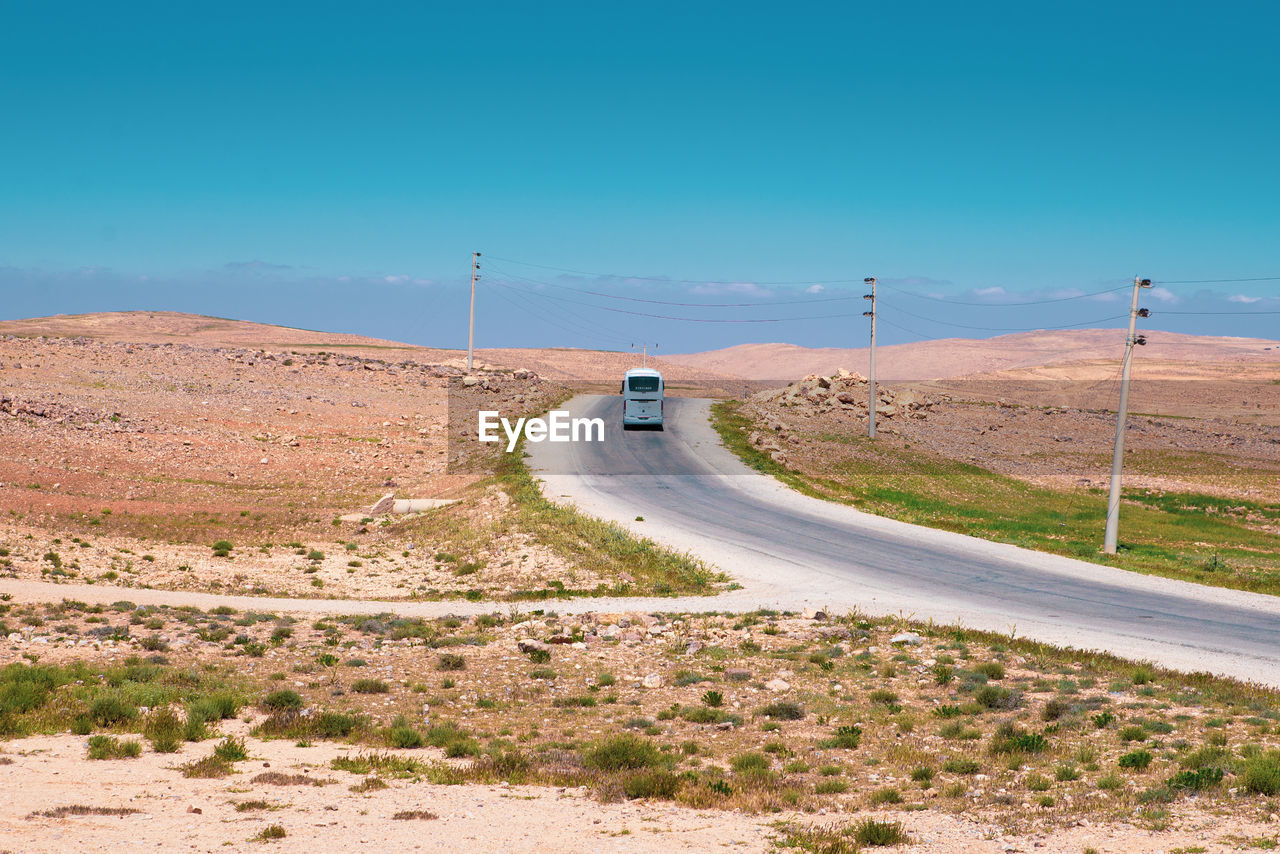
(163, 327)
(956, 357)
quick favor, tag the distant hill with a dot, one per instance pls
(956, 357)
(159, 327)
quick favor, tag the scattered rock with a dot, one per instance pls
(527, 645)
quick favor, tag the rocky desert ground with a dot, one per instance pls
(179, 453)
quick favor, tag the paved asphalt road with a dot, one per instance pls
(789, 550)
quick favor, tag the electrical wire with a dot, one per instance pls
(667, 279)
(1006, 328)
(572, 329)
(1197, 313)
(1003, 304)
(684, 319)
(592, 325)
(668, 302)
(1213, 281)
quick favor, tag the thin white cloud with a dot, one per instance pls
(814, 289)
(749, 289)
(1165, 295)
(995, 291)
(1244, 299)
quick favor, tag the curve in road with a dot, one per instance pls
(793, 551)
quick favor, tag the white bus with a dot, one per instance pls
(642, 398)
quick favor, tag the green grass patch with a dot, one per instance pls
(1193, 537)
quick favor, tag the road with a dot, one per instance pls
(792, 551)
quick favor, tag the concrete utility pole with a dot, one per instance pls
(644, 354)
(1117, 458)
(871, 406)
(471, 326)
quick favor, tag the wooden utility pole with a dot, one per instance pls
(1117, 456)
(471, 325)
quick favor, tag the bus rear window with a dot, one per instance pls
(644, 384)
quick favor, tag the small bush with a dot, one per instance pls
(888, 795)
(990, 669)
(283, 700)
(714, 699)
(623, 752)
(1136, 760)
(651, 784)
(111, 709)
(962, 765)
(106, 747)
(1262, 774)
(845, 738)
(1133, 733)
(210, 766)
(1110, 782)
(451, 661)
(401, 734)
(370, 686)
(1038, 782)
(997, 697)
(783, 710)
(231, 749)
(872, 832)
(749, 762)
(1009, 739)
(335, 724)
(1195, 781)
(1054, 709)
(271, 831)
(164, 730)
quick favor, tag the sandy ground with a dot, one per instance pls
(1050, 434)
(108, 423)
(178, 814)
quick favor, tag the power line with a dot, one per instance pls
(1216, 312)
(1002, 304)
(671, 280)
(1215, 281)
(668, 302)
(676, 317)
(518, 301)
(1006, 328)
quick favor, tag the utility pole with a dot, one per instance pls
(471, 326)
(1117, 458)
(644, 354)
(871, 405)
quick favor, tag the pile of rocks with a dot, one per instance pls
(847, 390)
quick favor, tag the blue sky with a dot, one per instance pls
(333, 166)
